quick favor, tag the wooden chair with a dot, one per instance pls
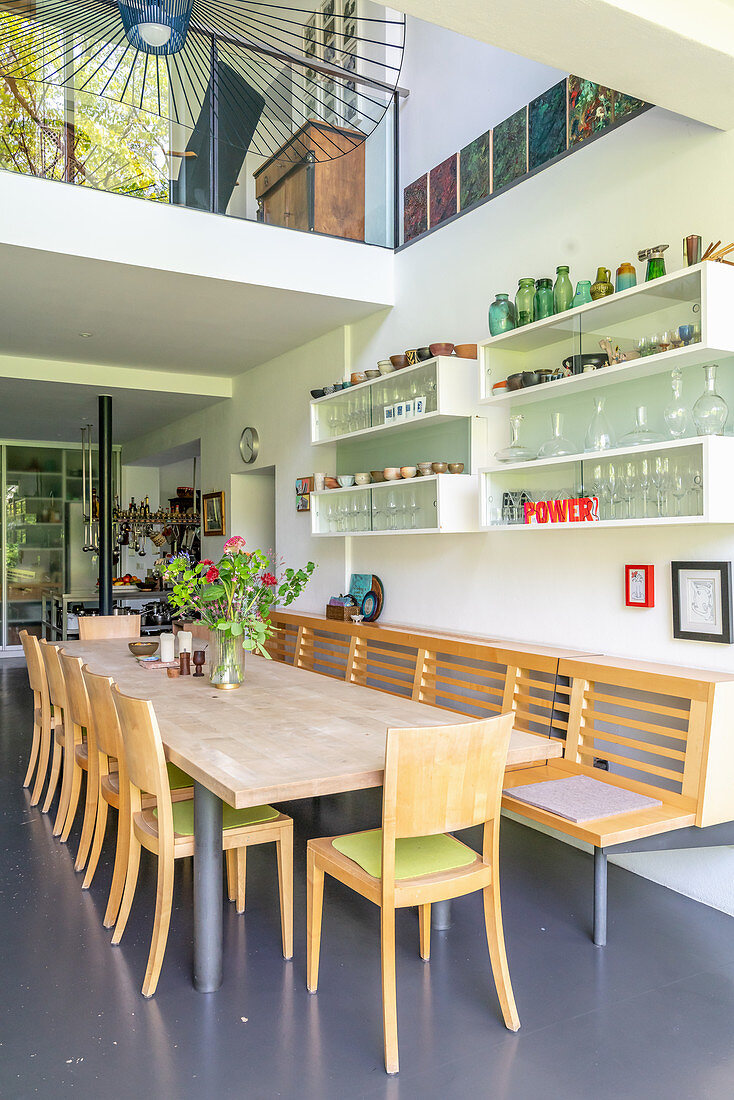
(436, 780)
(44, 718)
(167, 831)
(63, 762)
(77, 715)
(112, 786)
(99, 627)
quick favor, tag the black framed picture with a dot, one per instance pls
(702, 607)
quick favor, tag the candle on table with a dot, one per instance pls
(185, 641)
(167, 647)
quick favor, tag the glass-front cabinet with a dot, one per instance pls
(41, 531)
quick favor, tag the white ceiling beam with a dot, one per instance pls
(675, 53)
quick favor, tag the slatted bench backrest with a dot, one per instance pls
(664, 730)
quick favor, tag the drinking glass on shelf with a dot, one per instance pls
(365, 511)
(696, 491)
(610, 490)
(679, 487)
(643, 347)
(661, 482)
(643, 482)
(355, 515)
(391, 510)
(597, 483)
(412, 508)
(331, 517)
(629, 486)
(664, 340)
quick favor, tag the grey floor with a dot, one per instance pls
(651, 1015)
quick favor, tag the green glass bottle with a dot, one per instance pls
(563, 290)
(583, 292)
(524, 302)
(543, 303)
(501, 315)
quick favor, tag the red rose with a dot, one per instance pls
(212, 574)
(206, 561)
(269, 580)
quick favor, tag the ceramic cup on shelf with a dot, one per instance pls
(319, 482)
(408, 471)
(362, 479)
(346, 481)
(385, 366)
(392, 473)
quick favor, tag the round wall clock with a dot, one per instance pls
(249, 445)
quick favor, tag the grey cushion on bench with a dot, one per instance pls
(581, 798)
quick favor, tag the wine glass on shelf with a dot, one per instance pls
(661, 482)
(611, 489)
(391, 510)
(696, 490)
(629, 486)
(664, 340)
(680, 487)
(644, 485)
(365, 511)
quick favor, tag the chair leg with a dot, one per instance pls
(117, 886)
(314, 912)
(100, 828)
(35, 748)
(131, 881)
(284, 848)
(424, 924)
(600, 897)
(42, 770)
(229, 860)
(163, 905)
(54, 777)
(91, 803)
(389, 990)
(240, 869)
(76, 787)
(498, 956)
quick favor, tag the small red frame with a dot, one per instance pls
(639, 585)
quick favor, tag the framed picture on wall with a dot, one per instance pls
(304, 485)
(213, 508)
(639, 585)
(702, 607)
(303, 502)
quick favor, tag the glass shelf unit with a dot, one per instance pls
(439, 503)
(676, 482)
(447, 385)
(696, 296)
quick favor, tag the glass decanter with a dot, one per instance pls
(676, 414)
(557, 446)
(599, 433)
(516, 452)
(711, 410)
(641, 433)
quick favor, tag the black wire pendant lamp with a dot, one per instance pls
(257, 71)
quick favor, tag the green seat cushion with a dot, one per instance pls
(178, 779)
(414, 855)
(183, 816)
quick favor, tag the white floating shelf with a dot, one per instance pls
(447, 501)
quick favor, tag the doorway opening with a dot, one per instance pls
(252, 511)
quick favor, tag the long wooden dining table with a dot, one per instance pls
(287, 733)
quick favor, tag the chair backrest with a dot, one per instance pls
(141, 741)
(444, 778)
(54, 675)
(34, 662)
(77, 700)
(103, 712)
(98, 627)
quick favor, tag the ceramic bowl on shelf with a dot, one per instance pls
(346, 481)
(465, 351)
(423, 354)
(411, 355)
(317, 393)
(439, 467)
(331, 483)
(399, 361)
(358, 376)
(577, 364)
(362, 479)
(372, 374)
(377, 476)
(530, 378)
(328, 390)
(514, 382)
(441, 349)
(499, 388)
(385, 366)
(408, 471)
(425, 468)
(142, 649)
(456, 467)
(392, 473)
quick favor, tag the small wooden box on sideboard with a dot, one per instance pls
(297, 190)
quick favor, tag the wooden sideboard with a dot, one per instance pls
(298, 190)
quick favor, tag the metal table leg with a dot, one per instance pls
(441, 915)
(207, 890)
(600, 897)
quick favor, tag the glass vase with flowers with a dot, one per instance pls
(234, 597)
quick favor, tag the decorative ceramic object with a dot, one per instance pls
(439, 467)
(626, 277)
(392, 473)
(641, 433)
(583, 293)
(412, 356)
(425, 469)
(711, 410)
(676, 414)
(501, 315)
(423, 354)
(599, 434)
(524, 301)
(399, 361)
(385, 366)
(408, 471)
(346, 481)
(515, 451)
(456, 467)
(692, 250)
(357, 377)
(558, 445)
(543, 301)
(362, 479)
(465, 351)
(441, 349)
(562, 290)
(514, 381)
(602, 288)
